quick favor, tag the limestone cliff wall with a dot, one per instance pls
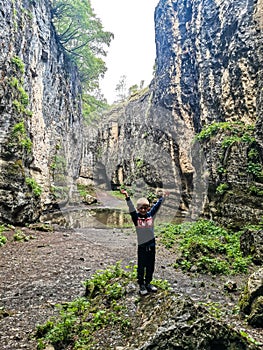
(208, 70)
(209, 59)
(137, 144)
(40, 113)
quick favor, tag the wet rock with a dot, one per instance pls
(251, 302)
(51, 116)
(255, 318)
(230, 286)
(251, 243)
(192, 328)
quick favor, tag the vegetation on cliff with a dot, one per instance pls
(82, 36)
(236, 133)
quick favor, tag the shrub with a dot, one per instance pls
(205, 245)
(19, 134)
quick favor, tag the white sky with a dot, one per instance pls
(132, 51)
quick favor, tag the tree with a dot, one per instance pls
(141, 84)
(133, 89)
(82, 36)
(121, 88)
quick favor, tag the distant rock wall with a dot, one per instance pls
(40, 112)
(136, 144)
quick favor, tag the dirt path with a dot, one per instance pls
(49, 269)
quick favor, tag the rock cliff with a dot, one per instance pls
(40, 112)
(197, 130)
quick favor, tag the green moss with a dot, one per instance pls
(19, 135)
(23, 96)
(222, 188)
(255, 169)
(32, 184)
(18, 63)
(85, 190)
(244, 301)
(14, 82)
(3, 239)
(233, 131)
(255, 190)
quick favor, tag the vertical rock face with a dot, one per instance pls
(40, 113)
(209, 59)
(208, 70)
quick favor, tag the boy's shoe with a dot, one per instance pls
(151, 288)
(143, 290)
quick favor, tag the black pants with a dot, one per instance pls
(146, 262)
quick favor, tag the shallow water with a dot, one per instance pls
(82, 218)
(97, 218)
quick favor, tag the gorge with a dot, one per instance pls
(196, 131)
(208, 73)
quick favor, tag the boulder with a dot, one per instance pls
(192, 328)
(251, 302)
(251, 243)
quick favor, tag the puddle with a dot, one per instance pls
(92, 218)
(96, 218)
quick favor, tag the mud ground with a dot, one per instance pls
(49, 268)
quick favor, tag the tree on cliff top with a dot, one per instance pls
(81, 34)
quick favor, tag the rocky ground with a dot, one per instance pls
(49, 268)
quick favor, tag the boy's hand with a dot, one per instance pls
(124, 192)
(162, 193)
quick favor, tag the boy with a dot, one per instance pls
(143, 219)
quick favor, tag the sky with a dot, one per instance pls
(132, 51)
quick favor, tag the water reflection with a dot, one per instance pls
(82, 218)
(98, 218)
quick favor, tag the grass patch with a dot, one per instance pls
(20, 236)
(206, 246)
(117, 194)
(3, 238)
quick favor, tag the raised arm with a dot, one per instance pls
(129, 201)
(157, 205)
